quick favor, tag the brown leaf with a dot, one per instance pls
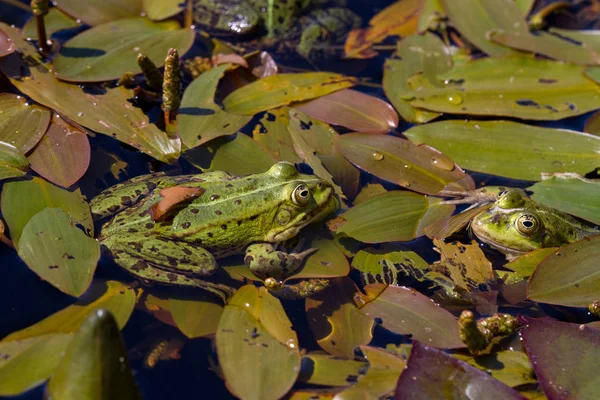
(171, 197)
(229, 58)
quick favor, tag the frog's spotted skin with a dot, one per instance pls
(515, 224)
(230, 214)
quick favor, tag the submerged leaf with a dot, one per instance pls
(196, 316)
(22, 125)
(12, 162)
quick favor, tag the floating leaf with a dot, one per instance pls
(272, 133)
(466, 264)
(568, 277)
(565, 357)
(392, 216)
(417, 54)
(282, 89)
(592, 125)
(510, 367)
(95, 364)
(399, 19)
(520, 87)
(474, 19)
(22, 200)
(324, 369)
(108, 111)
(446, 227)
(158, 10)
(396, 160)
(368, 191)
(112, 295)
(510, 149)
(107, 51)
(328, 262)
(336, 322)
(431, 373)
(63, 154)
(352, 109)
(196, 317)
(253, 335)
(12, 163)
(6, 44)
(405, 311)
(383, 265)
(96, 12)
(526, 263)
(432, 13)
(558, 192)
(199, 119)
(59, 252)
(54, 21)
(22, 125)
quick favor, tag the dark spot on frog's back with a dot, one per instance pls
(139, 266)
(186, 225)
(172, 261)
(194, 211)
(151, 186)
(528, 103)
(172, 277)
(218, 212)
(136, 246)
(113, 209)
(187, 251)
(149, 225)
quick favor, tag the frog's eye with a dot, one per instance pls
(528, 224)
(301, 195)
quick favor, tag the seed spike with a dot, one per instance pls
(154, 79)
(171, 87)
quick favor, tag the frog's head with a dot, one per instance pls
(303, 199)
(510, 225)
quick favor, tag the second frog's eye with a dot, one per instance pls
(301, 195)
(528, 224)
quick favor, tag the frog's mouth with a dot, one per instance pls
(481, 236)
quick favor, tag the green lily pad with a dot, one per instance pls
(431, 372)
(12, 162)
(58, 252)
(510, 149)
(324, 369)
(519, 87)
(272, 133)
(30, 362)
(336, 323)
(282, 89)
(474, 19)
(55, 21)
(197, 316)
(96, 12)
(392, 216)
(512, 368)
(199, 119)
(107, 51)
(253, 335)
(352, 109)
(576, 347)
(63, 154)
(95, 364)
(104, 110)
(417, 54)
(526, 264)
(568, 277)
(22, 200)
(559, 191)
(396, 160)
(158, 10)
(405, 311)
(22, 125)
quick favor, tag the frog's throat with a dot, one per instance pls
(276, 237)
(503, 249)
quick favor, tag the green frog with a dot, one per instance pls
(171, 229)
(516, 224)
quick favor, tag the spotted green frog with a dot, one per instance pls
(516, 224)
(171, 229)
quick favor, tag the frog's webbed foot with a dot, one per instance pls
(476, 198)
(274, 266)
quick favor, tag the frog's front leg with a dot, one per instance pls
(273, 266)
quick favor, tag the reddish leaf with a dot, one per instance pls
(219, 59)
(7, 46)
(171, 197)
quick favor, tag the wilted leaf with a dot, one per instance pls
(510, 149)
(12, 163)
(324, 369)
(63, 154)
(392, 216)
(282, 89)
(199, 119)
(55, 21)
(161, 9)
(405, 311)
(95, 364)
(431, 373)
(95, 12)
(171, 197)
(107, 51)
(196, 317)
(22, 125)
(568, 277)
(396, 160)
(352, 109)
(467, 265)
(253, 335)
(565, 357)
(383, 265)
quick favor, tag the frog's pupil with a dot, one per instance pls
(304, 193)
(527, 224)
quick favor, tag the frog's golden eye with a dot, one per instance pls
(301, 195)
(528, 224)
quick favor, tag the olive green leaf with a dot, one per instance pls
(22, 125)
(196, 316)
(158, 10)
(570, 276)
(512, 368)
(510, 149)
(96, 12)
(12, 162)
(55, 21)
(95, 364)
(199, 119)
(328, 370)
(254, 334)
(368, 191)
(526, 263)
(104, 110)
(272, 133)
(105, 52)
(446, 227)
(282, 89)
(328, 262)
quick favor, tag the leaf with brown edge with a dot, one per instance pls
(171, 197)
(63, 154)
